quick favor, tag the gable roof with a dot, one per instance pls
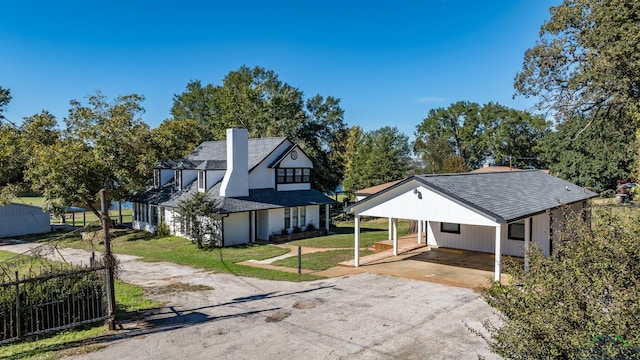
(376, 189)
(216, 152)
(500, 196)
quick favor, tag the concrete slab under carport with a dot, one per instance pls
(460, 268)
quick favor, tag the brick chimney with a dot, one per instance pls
(236, 178)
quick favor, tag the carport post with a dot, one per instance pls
(390, 229)
(527, 238)
(356, 245)
(419, 232)
(326, 217)
(498, 264)
(395, 237)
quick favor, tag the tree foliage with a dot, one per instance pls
(255, 99)
(381, 156)
(588, 288)
(586, 60)
(5, 98)
(465, 135)
(596, 158)
(105, 145)
(175, 139)
(201, 223)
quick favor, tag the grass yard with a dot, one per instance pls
(77, 217)
(181, 251)
(130, 302)
(371, 232)
(320, 260)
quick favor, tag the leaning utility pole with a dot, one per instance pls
(108, 260)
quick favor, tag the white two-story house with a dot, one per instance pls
(261, 187)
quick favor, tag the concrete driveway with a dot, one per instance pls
(361, 316)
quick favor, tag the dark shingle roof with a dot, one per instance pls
(502, 196)
(258, 199)
(259, 149)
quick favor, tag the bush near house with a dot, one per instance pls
(586, 291)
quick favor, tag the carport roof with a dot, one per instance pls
(500, 196)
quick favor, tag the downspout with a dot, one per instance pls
(222, 217)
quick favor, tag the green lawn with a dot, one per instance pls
(78, 217)
(320, 260)
(181, 251)
(130, 301)
(370, 232)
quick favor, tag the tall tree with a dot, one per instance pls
(255, 99)
(596, 158)
(586, 59)
(382, 156)
(174, 138)
(465, 135)
(105, 144)
(5, 98)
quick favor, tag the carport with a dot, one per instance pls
(501, 213)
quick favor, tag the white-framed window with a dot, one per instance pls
(287, 218)
(450, 228)
(293, 175)
(156, 178)
(303, 216)
(202, 180)
(294, 217)
(177, 177)
(516, 230)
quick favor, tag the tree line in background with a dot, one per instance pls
(582, 74)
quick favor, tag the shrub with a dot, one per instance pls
(163, 230)
(310, 227)
(297, 229)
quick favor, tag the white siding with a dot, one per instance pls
(290, 187)
(213, 177)
(415, 202)
(19, 219)
(313, 216)
(235, 229)
(262, 177)
(301, 162)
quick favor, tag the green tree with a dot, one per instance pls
(105, 144)
(596, 158)
(476, 134)
(255, 99)
(586, 289)
(5, 98)
(202, 224)
(174, 139)
(382, 156)
(586, 60)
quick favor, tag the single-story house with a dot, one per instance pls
(493, 212)
(261, 187)
(21, 219)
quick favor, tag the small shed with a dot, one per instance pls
(20, 219)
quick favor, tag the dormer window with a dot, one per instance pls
(177, 178)
(202, 180)
(293, 175)
(156, 178)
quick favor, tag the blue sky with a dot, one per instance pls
(389, 63)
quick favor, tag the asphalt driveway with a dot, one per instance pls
(360, 316)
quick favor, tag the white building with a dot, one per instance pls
(20, 219)
(261, 186)
(494, 212)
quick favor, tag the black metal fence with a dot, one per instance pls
(51, 302)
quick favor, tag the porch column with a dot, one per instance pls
(419, 231)
(326, 217)
(395, 237)
(527, 239)
(252, 226)
(431, 237)
(390, 229)
(356, 243)
(498, 255)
